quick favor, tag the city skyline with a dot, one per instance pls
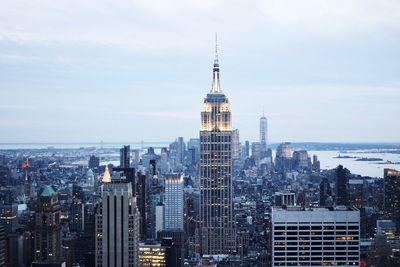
(327, 63)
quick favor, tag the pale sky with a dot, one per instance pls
(80, 71)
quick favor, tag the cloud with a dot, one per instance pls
(165, 25)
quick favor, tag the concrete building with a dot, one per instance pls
(315, 237)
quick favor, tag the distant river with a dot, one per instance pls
(82, 145)
(365, 168)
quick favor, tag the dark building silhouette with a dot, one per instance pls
(325, 193)
(125, 157)
(2, 245)
(342, 195)
(94, 162)
(392, 196)
(77, 214)
(173, 240)
(141, 200)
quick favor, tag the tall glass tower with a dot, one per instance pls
(217, 231)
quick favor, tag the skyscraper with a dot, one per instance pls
(392, 196)
(263, 134)
(216, 217)
(173, 215)
(325, 193)
(125, 157)
(235, 144)
(117, 224)
(342, 195)
(47, 228)
(283, 159)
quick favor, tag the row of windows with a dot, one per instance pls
(338, 243)
(317, 233)
(316, 248)
(319, 227)
(313, 237)
(315, 259)
(317, 253)
(354, 263)
(215, 138)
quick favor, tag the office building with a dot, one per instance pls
(152, 254)
(392, 196)
(283, 158)
(94, 162)
(235, 144)
(256, 151)
(301, 160)
(315, 237)
(173, 212)
(125, 157)
(247, 148)
(217, 226)
(117, 228)
(47, 231)
(77, 215)
(342, 195)
(325, 193)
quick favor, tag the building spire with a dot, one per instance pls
(106, 176)
(215, 84)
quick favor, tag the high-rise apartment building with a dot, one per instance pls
(315, 237)
(117, 224)
(173, 204)
(263, 134)
(217, 227)
(392, 196)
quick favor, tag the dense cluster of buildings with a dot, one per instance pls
(210, 201)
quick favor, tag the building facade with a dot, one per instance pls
(47, 227)
(173, 212)
(263, 134)
(217, 231)
(117, 225)
(392, 196)
(315, 237)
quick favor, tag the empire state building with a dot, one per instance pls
(217, 227)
